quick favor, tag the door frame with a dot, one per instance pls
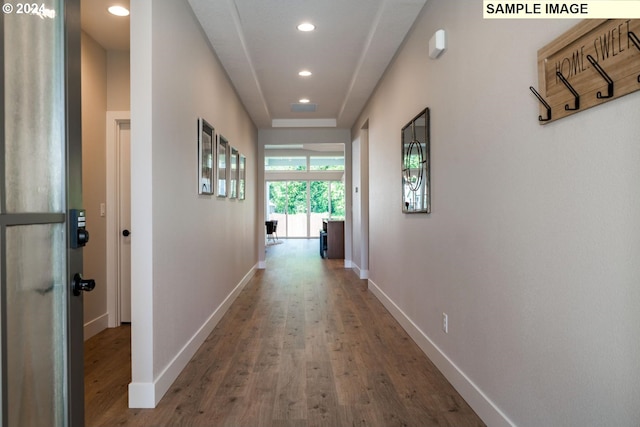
(115, 119)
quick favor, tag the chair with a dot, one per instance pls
(272, 226)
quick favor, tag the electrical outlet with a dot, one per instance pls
(445, 323)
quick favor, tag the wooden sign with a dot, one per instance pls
(596, 61)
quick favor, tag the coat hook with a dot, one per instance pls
(573, 91)
(605, 76)
(635, 41)
(535, 92)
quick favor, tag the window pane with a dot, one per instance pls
(285, 163)
(297, 209)
(319, 201)
(337, 200)
(277, 205)
(327, 163)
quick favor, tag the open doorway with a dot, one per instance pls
(105, 79)
(304, 184)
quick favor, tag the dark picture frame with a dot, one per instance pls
(416, 164)
(206, 157)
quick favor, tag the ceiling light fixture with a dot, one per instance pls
(118, 11)
(304, 73)
(306, 26)
(304, 101)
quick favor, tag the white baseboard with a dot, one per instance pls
(95, 326)
(481, 404)
(362, 274)
(147, 395)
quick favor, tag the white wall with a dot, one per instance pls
(191, 254)
(360, 197)
(94, 105)
(118, 81)
(533, 242)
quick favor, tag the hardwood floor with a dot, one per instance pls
(305, 344)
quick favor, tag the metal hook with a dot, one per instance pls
(540, 118)
(604, 76)
(573, 91)
(635, 41)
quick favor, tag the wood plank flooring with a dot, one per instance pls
(305, 344)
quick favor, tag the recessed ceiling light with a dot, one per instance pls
(118, 11)
(306, 26)
(304, 101)
(304, 73)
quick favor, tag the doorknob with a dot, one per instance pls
(79, 284)
(126, 233)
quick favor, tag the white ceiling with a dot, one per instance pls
(262, 51)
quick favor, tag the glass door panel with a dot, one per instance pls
(319, 201)
(34, 110)
(297, 209)
(36, 324)
(277, 205)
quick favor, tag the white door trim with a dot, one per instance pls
(115, 119)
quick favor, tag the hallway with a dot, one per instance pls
(304, 344)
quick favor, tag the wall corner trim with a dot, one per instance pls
(148, 395)
(480, 402)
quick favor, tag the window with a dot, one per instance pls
(323, 163)
(273, 163)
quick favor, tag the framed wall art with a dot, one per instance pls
(233, 174)
(223, 162)
(205, 157)
(416, 165)
(242, 167)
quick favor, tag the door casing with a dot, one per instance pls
(115, 120)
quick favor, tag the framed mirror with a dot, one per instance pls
(205, 157)
(233, 177)
(416, 165)
(223, 162)
(242, 164)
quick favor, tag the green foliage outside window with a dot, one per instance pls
(291, 197)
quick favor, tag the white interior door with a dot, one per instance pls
(124, 190)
